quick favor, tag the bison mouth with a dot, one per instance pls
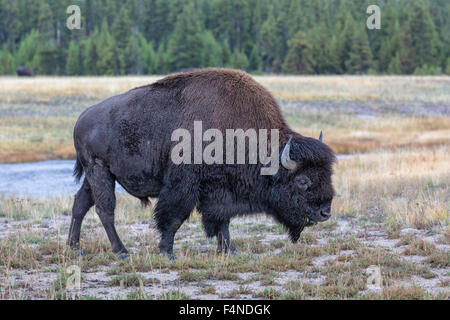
(296, 224)
(320, 215)
(308, 221)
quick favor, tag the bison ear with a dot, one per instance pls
(321, 136)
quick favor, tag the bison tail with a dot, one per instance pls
(78, 170)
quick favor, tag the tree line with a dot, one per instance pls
(120, 37)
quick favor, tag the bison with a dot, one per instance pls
(24, 71)
(127, 138)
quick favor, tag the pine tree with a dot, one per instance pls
(4, 12)
(268, 40)
(414, 37)
(122, 33)
(147, 56)
(45, 26)
(239, 60)
(224, 21)
(6, 62)
(185, 43)
(225, 54)
(28, 15)
(395, 66)
(299, 58)
(323, 57)
(389, 47)
(107, 58)
(408, 59)
(334, 63)
(27, 49)
(210, 51)
(90, 55)
(254, 63)
(345, 29)
(360, 59)
(281, 35)
(162, 59)
(10, 24)
(447, 70)
(131, 57)
(259, 10)
(423, 35)
(241, 17)
(49, 61)
(73, 65)
(385, 42)
(89, 17)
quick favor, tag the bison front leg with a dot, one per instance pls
(223, 239)
(174, 206)
(220, 230)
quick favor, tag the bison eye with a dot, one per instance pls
(303, 182)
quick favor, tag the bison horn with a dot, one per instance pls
(285, 159)
(321, 136)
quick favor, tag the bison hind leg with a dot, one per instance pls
(102, 184)
(82, 203)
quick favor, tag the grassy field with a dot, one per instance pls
(391, 209)
(358, 114)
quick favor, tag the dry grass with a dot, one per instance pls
(290, 272)
(401, 293)
(410, 187)
(16, 89)
(359, 88)
(386, 133)
(128, 209)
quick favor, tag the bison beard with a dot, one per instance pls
(127, 138)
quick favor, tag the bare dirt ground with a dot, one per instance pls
(331, 261)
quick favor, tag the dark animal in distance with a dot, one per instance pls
(24, 71)
(127, 138)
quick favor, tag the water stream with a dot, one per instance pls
(44, 179)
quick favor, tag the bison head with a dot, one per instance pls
(301, 195)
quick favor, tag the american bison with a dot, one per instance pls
(127, 138)
(24, 71)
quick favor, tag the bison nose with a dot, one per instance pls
(324, 214)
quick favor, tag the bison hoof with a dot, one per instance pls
(77, 250)
(170, 256)
(123, 255)
(232, 252)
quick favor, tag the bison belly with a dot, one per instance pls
(141, 184)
